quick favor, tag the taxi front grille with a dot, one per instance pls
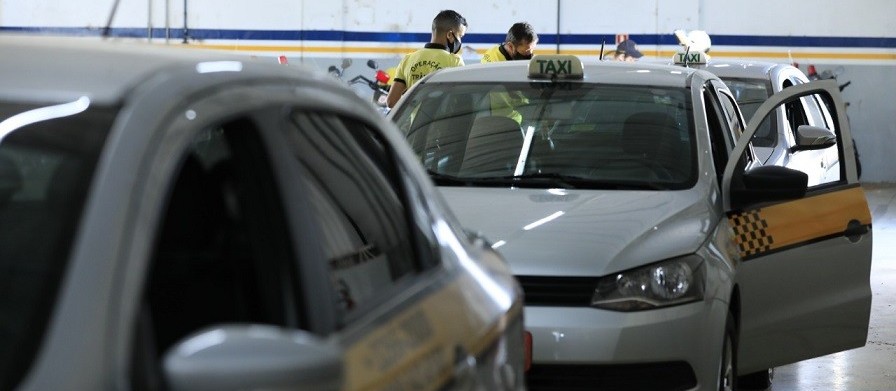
(558, 291)
(663, 376)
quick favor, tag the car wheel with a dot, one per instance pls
(728, 375)
(761, 380)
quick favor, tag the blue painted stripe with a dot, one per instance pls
(396, 37)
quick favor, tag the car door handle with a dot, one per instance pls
(464, 368)
(855, 230)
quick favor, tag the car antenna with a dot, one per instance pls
(602, 49)
(108, 27)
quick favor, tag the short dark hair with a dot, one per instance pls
(447, 20)
(521, 32)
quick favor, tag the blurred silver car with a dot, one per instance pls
(176, 219)
(655, 248)
(775, 142)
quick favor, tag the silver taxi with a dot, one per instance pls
(655, 249)
(172, 219)
(777, 141)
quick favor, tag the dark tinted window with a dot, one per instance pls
(357, 197)
(223, 252)
(47, 158)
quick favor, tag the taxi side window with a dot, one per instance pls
(223, 249)
(795, 112)
(729, 108)
(357, 196)
(721, 139)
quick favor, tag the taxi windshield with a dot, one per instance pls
(552, 135)
(45, 171)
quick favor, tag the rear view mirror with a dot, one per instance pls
(253, 357)
(813, 137)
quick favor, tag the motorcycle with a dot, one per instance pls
(379, 85)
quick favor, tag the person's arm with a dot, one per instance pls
(395, 92)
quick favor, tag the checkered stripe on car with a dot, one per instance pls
(751, 233)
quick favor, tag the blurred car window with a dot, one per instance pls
(223, 253)
(47, 166)
(358, 200)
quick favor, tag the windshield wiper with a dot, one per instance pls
(535, 179)
(547, 179)
(574, 182)
(444, 179)
(555, 178)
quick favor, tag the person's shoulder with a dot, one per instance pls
(493, 54)
(452, 59)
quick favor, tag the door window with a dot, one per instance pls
(355, 191)
(46, 168)
(222, 252)
(724, 125)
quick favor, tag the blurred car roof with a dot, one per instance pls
(49, 68)
(608, 72)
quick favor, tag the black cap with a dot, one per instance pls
(629, 48)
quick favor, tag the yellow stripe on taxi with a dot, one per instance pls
(763, 230)
(418, 349)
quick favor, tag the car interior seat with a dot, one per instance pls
(446, 142)
(651, 141)
(493, 147)
(191, 279)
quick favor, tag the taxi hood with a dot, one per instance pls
(584, 232)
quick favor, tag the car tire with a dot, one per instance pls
(761, 380)
(728, 367)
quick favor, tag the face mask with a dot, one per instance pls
(520, 56)
(454, 47)
(515, 55)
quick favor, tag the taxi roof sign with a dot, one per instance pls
(556, 67)
(689, 58)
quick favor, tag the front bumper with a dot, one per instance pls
(603, 345)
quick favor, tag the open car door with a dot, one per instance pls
(805, 267)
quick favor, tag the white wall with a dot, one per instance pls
(867, 18)
(586, 23)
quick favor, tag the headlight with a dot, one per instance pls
(671, 282)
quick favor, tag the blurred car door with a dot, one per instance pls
(288, 224)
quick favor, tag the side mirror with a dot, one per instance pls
(771, 183)
(253, 357)
(372, 64)
(813, 137)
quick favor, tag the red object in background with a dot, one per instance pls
(527, 343)
(283, 60)
(382, 77)
(811, 71)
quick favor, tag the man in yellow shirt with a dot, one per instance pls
(448, 27)
(519, 44)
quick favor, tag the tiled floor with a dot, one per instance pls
(872, 367)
